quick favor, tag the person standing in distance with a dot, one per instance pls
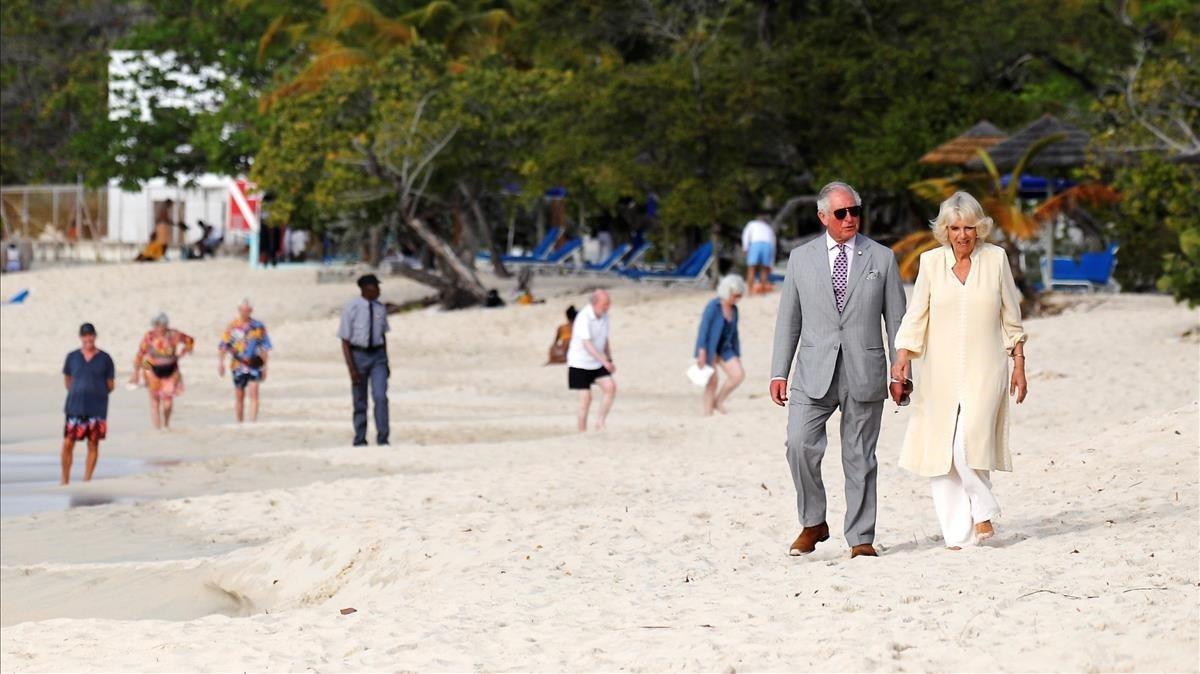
(589, 359)
(758, 242)
(246, 344)
(89, 375)
(838, 287)
(364, 346)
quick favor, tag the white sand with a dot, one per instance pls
(490, 536)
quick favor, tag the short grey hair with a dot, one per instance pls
(159, 319)
(246, 303)
(823, 195)
(730, 285)
(964, 207)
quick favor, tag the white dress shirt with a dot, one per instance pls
(833, 252)
(757, 231)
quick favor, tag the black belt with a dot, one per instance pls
(368, 349)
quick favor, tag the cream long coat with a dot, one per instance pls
(961, 336)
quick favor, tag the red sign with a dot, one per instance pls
(244, 206)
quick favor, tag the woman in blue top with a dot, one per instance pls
(717, 343)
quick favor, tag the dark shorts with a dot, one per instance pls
(242, 379)
(85, 428)
(164, 371)
(579, 379)
(726, 352)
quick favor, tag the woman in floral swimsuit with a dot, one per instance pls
(158, 361)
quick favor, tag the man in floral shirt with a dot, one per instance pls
(246, 343)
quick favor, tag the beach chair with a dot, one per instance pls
(607, 264)
(539, 252)
(1092, 272)
(690, 270)
(630, 261)
(19, 298)
(555, 260)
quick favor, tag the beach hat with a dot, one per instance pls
(700, 375)
(87, 329)
(368, 280)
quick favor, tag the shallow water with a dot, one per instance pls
(31, 437)
(28, 482)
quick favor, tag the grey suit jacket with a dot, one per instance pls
(808, 315)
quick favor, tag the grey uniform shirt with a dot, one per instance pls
(363, 323)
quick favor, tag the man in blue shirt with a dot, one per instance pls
(89, 376)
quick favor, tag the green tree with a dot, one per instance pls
(1151, 127)
(214, 37)
(369, 148)
(53, 84)
(500, 112)
(469, 30)
(1158, 229)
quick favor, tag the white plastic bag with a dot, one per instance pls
(700, 375)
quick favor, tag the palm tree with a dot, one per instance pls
(351, 33)
(467, 30)
(347, 33)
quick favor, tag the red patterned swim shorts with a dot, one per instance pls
(89, 428)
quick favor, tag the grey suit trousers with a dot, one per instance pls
(806, 442)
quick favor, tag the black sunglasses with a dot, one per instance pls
(840, 213)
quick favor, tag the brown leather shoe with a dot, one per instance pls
(864, 550)
(807, 541)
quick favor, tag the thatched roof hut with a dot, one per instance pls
(1068, 152)
(962, 148)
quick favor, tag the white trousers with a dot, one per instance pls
(963, 496)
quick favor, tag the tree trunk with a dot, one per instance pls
(466, 243)
(485, 229)
(459, 286)
(375, 255)
(714, 238)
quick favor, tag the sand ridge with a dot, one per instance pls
(490, 536)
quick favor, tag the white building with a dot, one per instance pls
(131, 215)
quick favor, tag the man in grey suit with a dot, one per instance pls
(837, 288)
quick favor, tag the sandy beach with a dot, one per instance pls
(491, 536)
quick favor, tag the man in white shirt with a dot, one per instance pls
(297, 245)
(589, 359)
(758, 242)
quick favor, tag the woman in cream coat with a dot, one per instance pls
(964, 323)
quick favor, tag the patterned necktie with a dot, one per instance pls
(839, 277)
